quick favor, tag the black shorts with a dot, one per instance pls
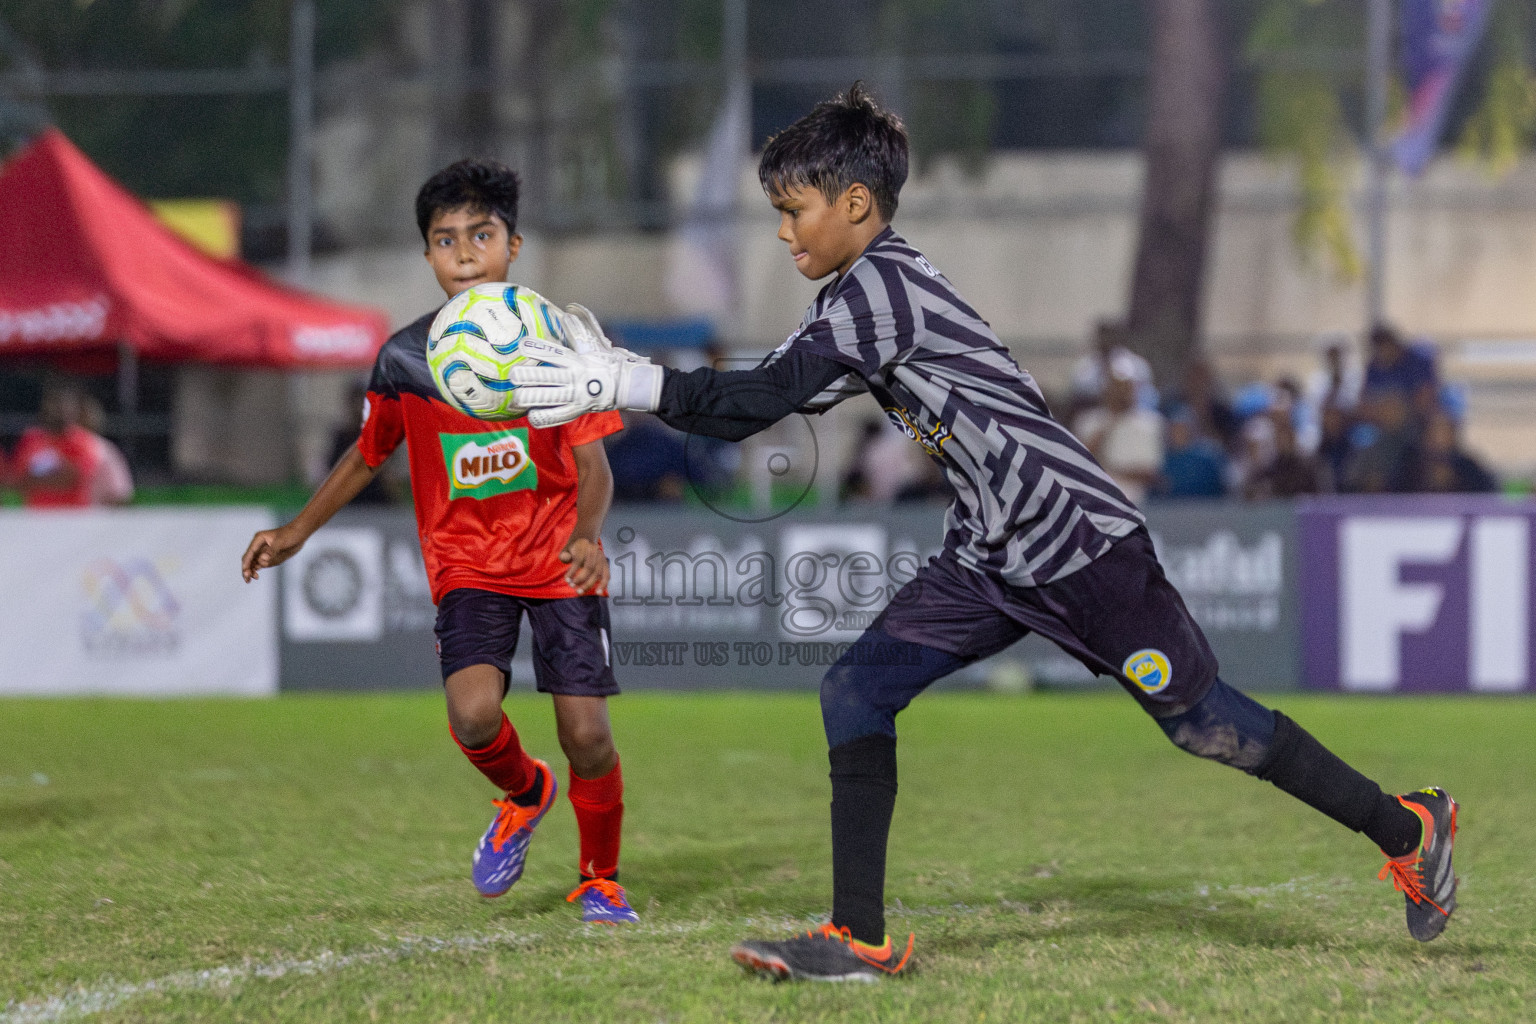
(570, 638)
(1119, 616)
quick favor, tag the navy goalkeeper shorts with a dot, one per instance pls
(1118, 615)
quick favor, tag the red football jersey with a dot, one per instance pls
(41, 452)
(495, 502)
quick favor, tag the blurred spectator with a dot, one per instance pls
(1289, 471)
(111, 481)
(1445, 467)
(1338, 381)
(929, 484)
(1201, 395)
(1253, 399)
(56, 460)
(1389, 426)
(651, 462)
(1385, 449)
(1303, 415)
(710, 464)
(885, 462)
(857, 478)
(1111, 357)
(1402, 369)
(1257, 449)
(1334, 448)
(1194, 466)
(716, 357)
(648, 459)
(1453, 401)
(1126, 439)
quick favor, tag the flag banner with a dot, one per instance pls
(701, 269)
(1438, 38)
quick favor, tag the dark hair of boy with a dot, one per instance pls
(847, 139)
(481, 185)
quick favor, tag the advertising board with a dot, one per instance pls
(1417, 593)
(357, 610)
(134, 601)
(700, 600)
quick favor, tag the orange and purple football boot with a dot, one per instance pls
(602, 901)
(503, 849)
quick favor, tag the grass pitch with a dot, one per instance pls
(307, 859)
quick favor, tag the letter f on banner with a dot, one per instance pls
(1376, 606)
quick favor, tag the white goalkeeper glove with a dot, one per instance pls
(583, 332)
(592, 376)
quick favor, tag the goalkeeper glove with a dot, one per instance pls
(593, 376)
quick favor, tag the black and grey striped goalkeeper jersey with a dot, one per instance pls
(1031, 504)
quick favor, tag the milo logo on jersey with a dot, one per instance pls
(932, 441)
(485, 465)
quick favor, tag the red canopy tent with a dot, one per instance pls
(87, 275)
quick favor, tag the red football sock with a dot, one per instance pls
(599, 806)
(504, 762)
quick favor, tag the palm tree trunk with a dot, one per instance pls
(1182, 147)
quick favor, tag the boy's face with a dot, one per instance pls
(825, 238)
(59, 409)
(467, 247)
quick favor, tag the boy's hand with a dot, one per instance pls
(588, 565)
(269, 548)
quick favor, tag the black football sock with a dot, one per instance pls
(863, 797)
(1393, 827)
(1301, 766)
(530, 796)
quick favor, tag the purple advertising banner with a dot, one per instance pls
(1417, 594)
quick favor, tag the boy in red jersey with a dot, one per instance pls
(56, 460)
(495, 547)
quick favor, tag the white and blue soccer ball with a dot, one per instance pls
(479, 336)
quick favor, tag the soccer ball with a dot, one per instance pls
(479, 336)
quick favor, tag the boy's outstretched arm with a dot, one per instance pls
(728, 404)
(594, 494)
(733, 404)
(274, 547)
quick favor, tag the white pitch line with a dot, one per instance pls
(79, 1003)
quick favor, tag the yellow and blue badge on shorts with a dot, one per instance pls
(1149, 669)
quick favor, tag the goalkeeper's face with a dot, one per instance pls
(825, 237)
